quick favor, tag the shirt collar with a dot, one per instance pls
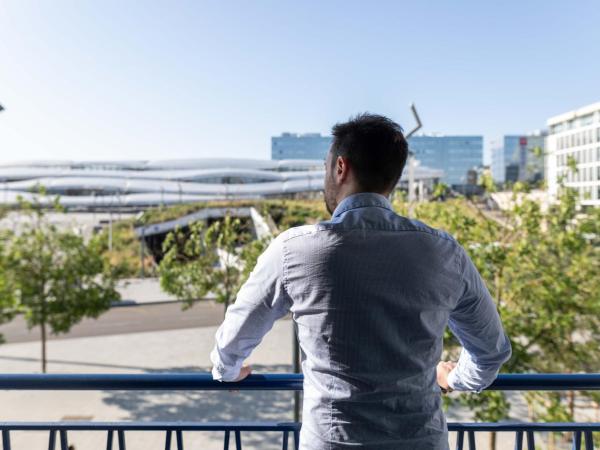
(361, 200)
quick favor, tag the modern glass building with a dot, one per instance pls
(455, 155)
(300, 146)
(516, 159)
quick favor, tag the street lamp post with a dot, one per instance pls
(411, 156)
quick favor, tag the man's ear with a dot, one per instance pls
(341, 169)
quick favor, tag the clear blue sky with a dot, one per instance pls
(130, 80)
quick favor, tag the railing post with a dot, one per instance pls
(471, 436)
(168, 440)
(121, 439)
(109, 439)
(226, 440)
(52, 440)
(64, 440)
(284, 445)
(5, 440)
(530, 440)
(589, 440)
(460, 438)
(519, 440)
(179, 436)
(577, 440)
(238, 440)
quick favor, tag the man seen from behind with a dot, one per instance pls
(371, 293)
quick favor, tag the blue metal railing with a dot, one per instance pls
(524, 432)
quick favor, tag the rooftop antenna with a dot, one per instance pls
(411, 155)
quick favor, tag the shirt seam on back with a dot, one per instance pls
(331, 227)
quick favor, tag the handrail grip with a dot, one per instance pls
(262, 382)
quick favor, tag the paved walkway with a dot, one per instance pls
(142, 290)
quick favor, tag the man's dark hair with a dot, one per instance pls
(375, 148)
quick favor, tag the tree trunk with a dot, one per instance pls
(43, 327)
(551, 442)
(571, 396)
(493, 440)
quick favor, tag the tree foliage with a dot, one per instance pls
(55, 277)
(200, 260)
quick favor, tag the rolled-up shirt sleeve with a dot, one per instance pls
(476, 324)
(259, 303)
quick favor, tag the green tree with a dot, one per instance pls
(440, 191)
(203, 259)
(57, 278)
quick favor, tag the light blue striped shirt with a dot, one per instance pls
(371, 293)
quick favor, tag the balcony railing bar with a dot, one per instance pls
(269, 382)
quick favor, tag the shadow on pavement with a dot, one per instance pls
(204, 406)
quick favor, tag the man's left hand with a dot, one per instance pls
(244, 372)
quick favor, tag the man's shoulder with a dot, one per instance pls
(421, 227)
(296, 232)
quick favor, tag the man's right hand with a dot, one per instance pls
(443, 370)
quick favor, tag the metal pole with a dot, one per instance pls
(411, 158)
(110, 231)
(411, 178)
(142, 240)
(296, 366)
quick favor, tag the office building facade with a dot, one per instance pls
(455, 155)
(575, 136)
(300, 146)
(519, 158)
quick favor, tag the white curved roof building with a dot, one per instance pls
(115, 184)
